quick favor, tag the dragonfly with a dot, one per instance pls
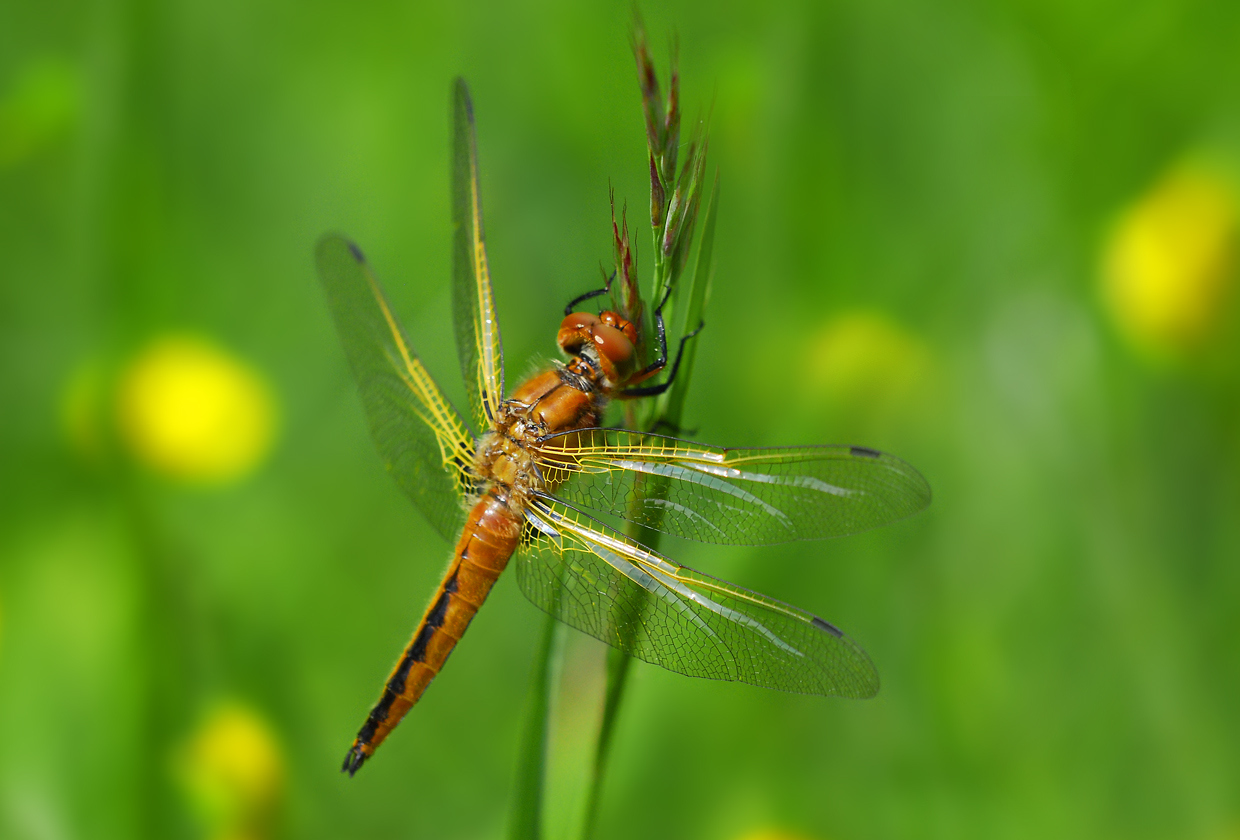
(525, 479)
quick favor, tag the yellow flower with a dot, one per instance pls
(865, 359)
(772, 834)
(1169, 263)
(233, 771)
(193, 411)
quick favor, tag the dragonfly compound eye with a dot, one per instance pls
(615, 347)
(613, 319)
(575, 331)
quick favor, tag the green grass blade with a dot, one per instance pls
(697, 295)
(667, 410)
(532, 760)
(673, 218)
(617, 677)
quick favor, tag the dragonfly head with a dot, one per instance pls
(612, 338)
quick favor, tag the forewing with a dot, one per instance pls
(473, 306)
(421, 438)
(607, 585)
(736, 496)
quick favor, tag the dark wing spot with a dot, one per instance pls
(826, 625)
(865, 452)
(356, 251)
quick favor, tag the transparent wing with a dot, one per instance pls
(736, 496)
(421, 438)
(473, 307)
(611, 587)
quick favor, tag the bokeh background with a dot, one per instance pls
(996, 239)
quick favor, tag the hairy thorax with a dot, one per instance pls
(563, 398)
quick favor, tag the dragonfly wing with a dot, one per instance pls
(421, 438)
(611, 587)
(477, 330)
(735, 496)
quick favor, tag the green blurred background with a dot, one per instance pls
(995, 239)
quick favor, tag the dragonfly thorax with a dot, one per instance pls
(506, 462)
(564, 398)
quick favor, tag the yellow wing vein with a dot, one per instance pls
(648, 570)
(684, 583)
(450, 435)
(488, 350)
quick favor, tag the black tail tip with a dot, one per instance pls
(353, 761)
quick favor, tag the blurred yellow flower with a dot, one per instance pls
(191, 410)
(233, 771)
(864, 358)
(1170, 260)
(772, 834)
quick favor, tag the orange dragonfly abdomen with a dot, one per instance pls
(487, 542)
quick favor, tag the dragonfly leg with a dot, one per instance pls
(660, 363)
(660, 331)
(572, 304)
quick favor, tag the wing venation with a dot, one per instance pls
(473, 305)
(736, 496)
(611, 587)
(422, 440)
